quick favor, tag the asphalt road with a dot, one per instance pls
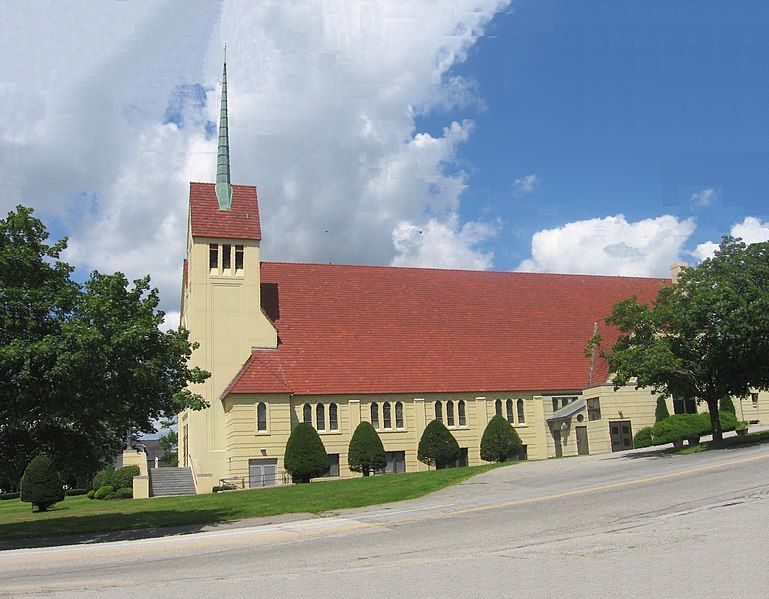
(636, 524)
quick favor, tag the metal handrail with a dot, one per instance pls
(192, 469)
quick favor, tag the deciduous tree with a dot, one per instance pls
(703, 338)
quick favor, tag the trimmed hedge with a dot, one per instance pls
(90, 494)
(102, 492)
(366, 453)
(40, 484)
(75, 492)
(10, 495)
(679, 427)
(123, 477)
(224, 487)
(305, 457)
(438, 447)
(643, 438)
(499, 440)
(124, 493)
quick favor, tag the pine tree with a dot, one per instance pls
(438, 447)
(305, 457)
(499, 440)
(40, 484)
(366, 453)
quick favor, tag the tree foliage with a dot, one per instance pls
(169, 443)
(726, 404)
(661, 412)
(305, 457)
(703, 338)
(366, 453)
(438, 447)
(499, 440)
(79, 363)
(40, 484)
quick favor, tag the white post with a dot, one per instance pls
(156, 461)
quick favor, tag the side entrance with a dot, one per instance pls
(621, 434)
(262, 473)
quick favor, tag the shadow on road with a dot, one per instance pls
(143, 525)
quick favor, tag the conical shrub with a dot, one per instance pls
(305, 457)
(438, 447)
(40, 484)
(662, 410)
(366, 453)
(499, 440)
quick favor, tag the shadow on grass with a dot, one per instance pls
(100, 528)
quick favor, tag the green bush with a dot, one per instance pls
(305, 457)
(75, 492)
(728, 421)
(437, 447)
(499, 440)
(643, 438)
(102, 492)
(123, 477)
(124, 493)
(366, 453)
(40, 484)
(224, 487)
(727, 405)
(10, 495)
(679, 427)
(90, 494)
(103, 477)
(661, 412)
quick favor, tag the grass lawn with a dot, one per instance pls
(749, 439)
(82, 515)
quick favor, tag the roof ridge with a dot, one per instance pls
(465, 270)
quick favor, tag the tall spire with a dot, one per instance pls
(223, 186)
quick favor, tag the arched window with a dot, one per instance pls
(333, 417)
(498, 407)
(509, 409)
(449, 413)
(398, 414)
(320, 417)
(521, 415)
(261, 416)
(438, 411)
(387, 419)
(461, 412)
(375, 415)
(307, 413)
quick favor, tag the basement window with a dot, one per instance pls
(213, 256)
(333, 468)
(238, 257)
(226, 257)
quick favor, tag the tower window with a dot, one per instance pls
(213, 256)
(238, 257)
(261, 416)
(226, 257)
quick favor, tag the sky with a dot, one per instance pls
(602, 137)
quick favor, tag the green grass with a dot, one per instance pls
(749, 439)
(82, 515)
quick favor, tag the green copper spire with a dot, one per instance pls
(223, 186)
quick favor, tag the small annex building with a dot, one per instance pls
(336, 344)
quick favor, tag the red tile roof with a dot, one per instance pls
(240, 222)
(362, 329)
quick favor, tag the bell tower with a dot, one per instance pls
(220, 303)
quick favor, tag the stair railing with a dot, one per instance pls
(192, 469)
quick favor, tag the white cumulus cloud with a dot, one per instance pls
(610, 246)
(750, 230)
(101, 133)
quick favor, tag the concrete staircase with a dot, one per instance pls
(171, 481)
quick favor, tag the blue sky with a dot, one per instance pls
(618, 107)
(551, 136)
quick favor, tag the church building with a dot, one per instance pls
(334, 345)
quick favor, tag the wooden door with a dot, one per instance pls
(583, 447)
